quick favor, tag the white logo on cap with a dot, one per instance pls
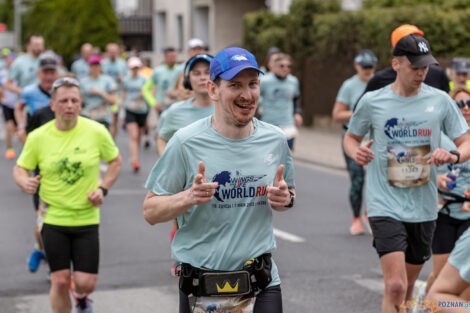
(423, 47)
(239, 57)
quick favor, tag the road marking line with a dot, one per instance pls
(287, 236)
(377, 284)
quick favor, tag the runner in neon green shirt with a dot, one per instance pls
(68, 150)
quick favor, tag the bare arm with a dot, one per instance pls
(114, 167)
(123, 96)
(440, 156)
(22, 179)
(163, 208)
(463, 146)
(352, 146)
(341, 113)
(10, 86)
(161, 145)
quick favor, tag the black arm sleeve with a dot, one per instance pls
(297, 106)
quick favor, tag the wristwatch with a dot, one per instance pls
(292, 200)
(456, 153)
(105, 191)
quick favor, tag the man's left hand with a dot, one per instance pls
(278, 194)
(441, 156)
(96, 197)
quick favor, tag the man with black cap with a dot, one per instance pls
(435, 77)
(405, 119)
(352, 88)
(459, 73)
(221, 177)
(36, 96)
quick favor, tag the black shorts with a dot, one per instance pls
(78, 245)
(138, 118)
(448, 230)
(290, 143)
(414, 239)
(8, 114)
(267, 301)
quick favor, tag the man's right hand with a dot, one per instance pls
(32, 184)
(364, 155)
(201, 191)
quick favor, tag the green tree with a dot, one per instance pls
(6, 13)
(66, 25)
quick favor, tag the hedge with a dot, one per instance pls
(323, 40)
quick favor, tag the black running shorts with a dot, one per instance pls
(78, 245)
(414, 239)
(132, 117)
(8, 114)
(448, 230)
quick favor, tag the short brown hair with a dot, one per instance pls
(453, 93)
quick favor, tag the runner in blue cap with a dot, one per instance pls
(221, 177)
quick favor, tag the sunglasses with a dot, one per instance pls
(462, 103)
(65, 80)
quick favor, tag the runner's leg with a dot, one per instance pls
(59, 293)
(447, 287)
(394, 273)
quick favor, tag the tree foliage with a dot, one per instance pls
(66, 25)
(323, 40)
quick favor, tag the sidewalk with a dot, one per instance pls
(320, 147)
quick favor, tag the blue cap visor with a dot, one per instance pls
(231, 73)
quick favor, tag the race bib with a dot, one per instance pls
(137, 105)
(100, 113)
(290, 131)
(224, 304)
(407, 166)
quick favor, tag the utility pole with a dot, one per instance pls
(17, 26)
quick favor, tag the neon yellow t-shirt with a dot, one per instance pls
(69, 163)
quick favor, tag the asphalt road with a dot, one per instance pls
(322, 267)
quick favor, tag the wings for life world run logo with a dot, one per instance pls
(395, 128)
(238, 186)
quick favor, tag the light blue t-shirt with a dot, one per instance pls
(463, 180)
(164, 78)
(80, 68)
(94, 106)
(460, 256)
(277, 99)
(10, 98)
(23, 70)
(180, 115)
(114, 69)
(33, 98)
(237, 224)
(350, 91)
(405, 130)
(134, 101)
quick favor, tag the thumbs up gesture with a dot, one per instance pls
(32, 184)
(364, 155)
(201, 191)
(278, 194)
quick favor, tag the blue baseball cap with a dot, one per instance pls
(231, 61)
(200, 57)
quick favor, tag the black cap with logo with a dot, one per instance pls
(417, 49)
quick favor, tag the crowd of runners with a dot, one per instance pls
(400, 122)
